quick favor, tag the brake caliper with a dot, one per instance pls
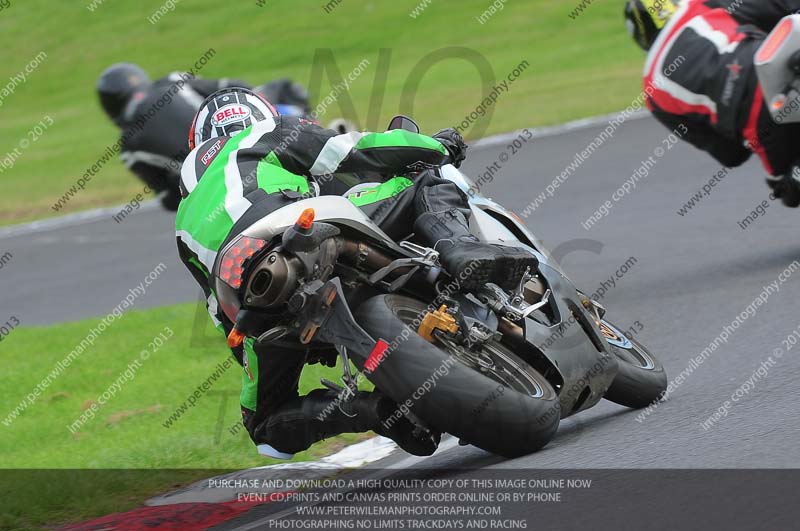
(608, 333)
(437, 320)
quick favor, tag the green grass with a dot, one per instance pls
(127, 432)
(577, 68)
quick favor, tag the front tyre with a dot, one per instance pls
(488, 397)
(641, 379)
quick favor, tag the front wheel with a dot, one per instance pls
(486, 396)
(641, 379)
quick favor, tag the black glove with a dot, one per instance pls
(787, 187)
(454, 144)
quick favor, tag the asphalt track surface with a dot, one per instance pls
(693, 275)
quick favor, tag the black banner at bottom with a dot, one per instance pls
(496, 498)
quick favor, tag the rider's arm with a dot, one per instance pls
(319, 151)
(728, 152)
(764, 14)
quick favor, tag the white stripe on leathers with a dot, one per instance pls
(188, 173)
(235, 203)
(334, 152)
(205, 255)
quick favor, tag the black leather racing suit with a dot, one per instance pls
(155, 126)
(700, 81)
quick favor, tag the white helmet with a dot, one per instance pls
(227, 112)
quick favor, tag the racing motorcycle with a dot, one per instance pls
(497, 369)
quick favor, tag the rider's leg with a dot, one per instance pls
(443, 223)
(438, 212)
(171, 199)
(160, 181)
(389, 204)
(281, 422)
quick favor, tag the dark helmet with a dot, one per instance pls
(646, 18)
(226, 112)
(117, 84)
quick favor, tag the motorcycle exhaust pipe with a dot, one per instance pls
(360, 254)
(364, 256)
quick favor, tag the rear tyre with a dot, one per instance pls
(491, 398)
(641, 379)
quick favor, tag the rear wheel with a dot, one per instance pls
(641, 379)
(486, 396)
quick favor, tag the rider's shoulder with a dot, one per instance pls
(201, 157)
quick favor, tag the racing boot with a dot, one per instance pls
(468, 260)
(321, 414)
(786, 187)
(414, 439)
(171, 199)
